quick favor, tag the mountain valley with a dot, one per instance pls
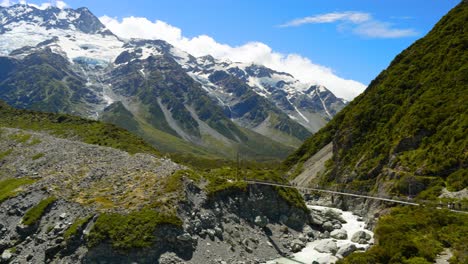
(120, 150)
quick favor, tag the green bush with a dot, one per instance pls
(416, 235)
(34, 214)
(458, 180)
(127, 231)
(75, 227)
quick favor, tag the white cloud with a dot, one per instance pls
(354, 17)
(376, 29)
(252, 52)
(362, 24)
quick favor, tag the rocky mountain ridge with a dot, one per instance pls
(65, 60)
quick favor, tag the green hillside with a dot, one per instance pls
(66, 126)
(410, 125)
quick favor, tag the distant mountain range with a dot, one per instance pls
(66, 60)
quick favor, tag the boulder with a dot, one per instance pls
(303, 238)
(339, 234)
(308, 231)
(325, 234)
(316, 219)
(284, 229)
(261, 221)
(248, 250)
(347, 249)
(6, 256)
(211, 233)
(326, 246)
(184, 237)
(328, 226)
(361, 237)
(297, 245)
(218, 232)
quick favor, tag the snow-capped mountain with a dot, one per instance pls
(310, 105)
(65, 60)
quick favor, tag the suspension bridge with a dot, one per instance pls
(345, 193)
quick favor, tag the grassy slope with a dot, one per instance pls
(412, 120)
(66, 126)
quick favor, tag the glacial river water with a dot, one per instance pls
(309, 254)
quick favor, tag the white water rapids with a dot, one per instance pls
(310, 255)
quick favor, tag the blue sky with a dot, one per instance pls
(356, 43)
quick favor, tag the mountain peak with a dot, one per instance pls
(50, 18)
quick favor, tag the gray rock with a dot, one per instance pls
(63, 216)
(6, 256)
(327, 246)
(361, 237)
(248, 249)
(328, 226)
(339, 234)
(284, 229)
(218, 231)
(236, 234)
(325, 234)
(261, 221)
(347, 249)
(302, 238)
(297, 245)
(316, 220)
(308, 231)
(184, 237)
(211, 233)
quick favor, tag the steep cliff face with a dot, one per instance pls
(408, 131)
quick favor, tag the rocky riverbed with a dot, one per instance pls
(344, 233)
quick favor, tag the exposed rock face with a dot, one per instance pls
(253, 224)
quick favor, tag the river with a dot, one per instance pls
(310, 255)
